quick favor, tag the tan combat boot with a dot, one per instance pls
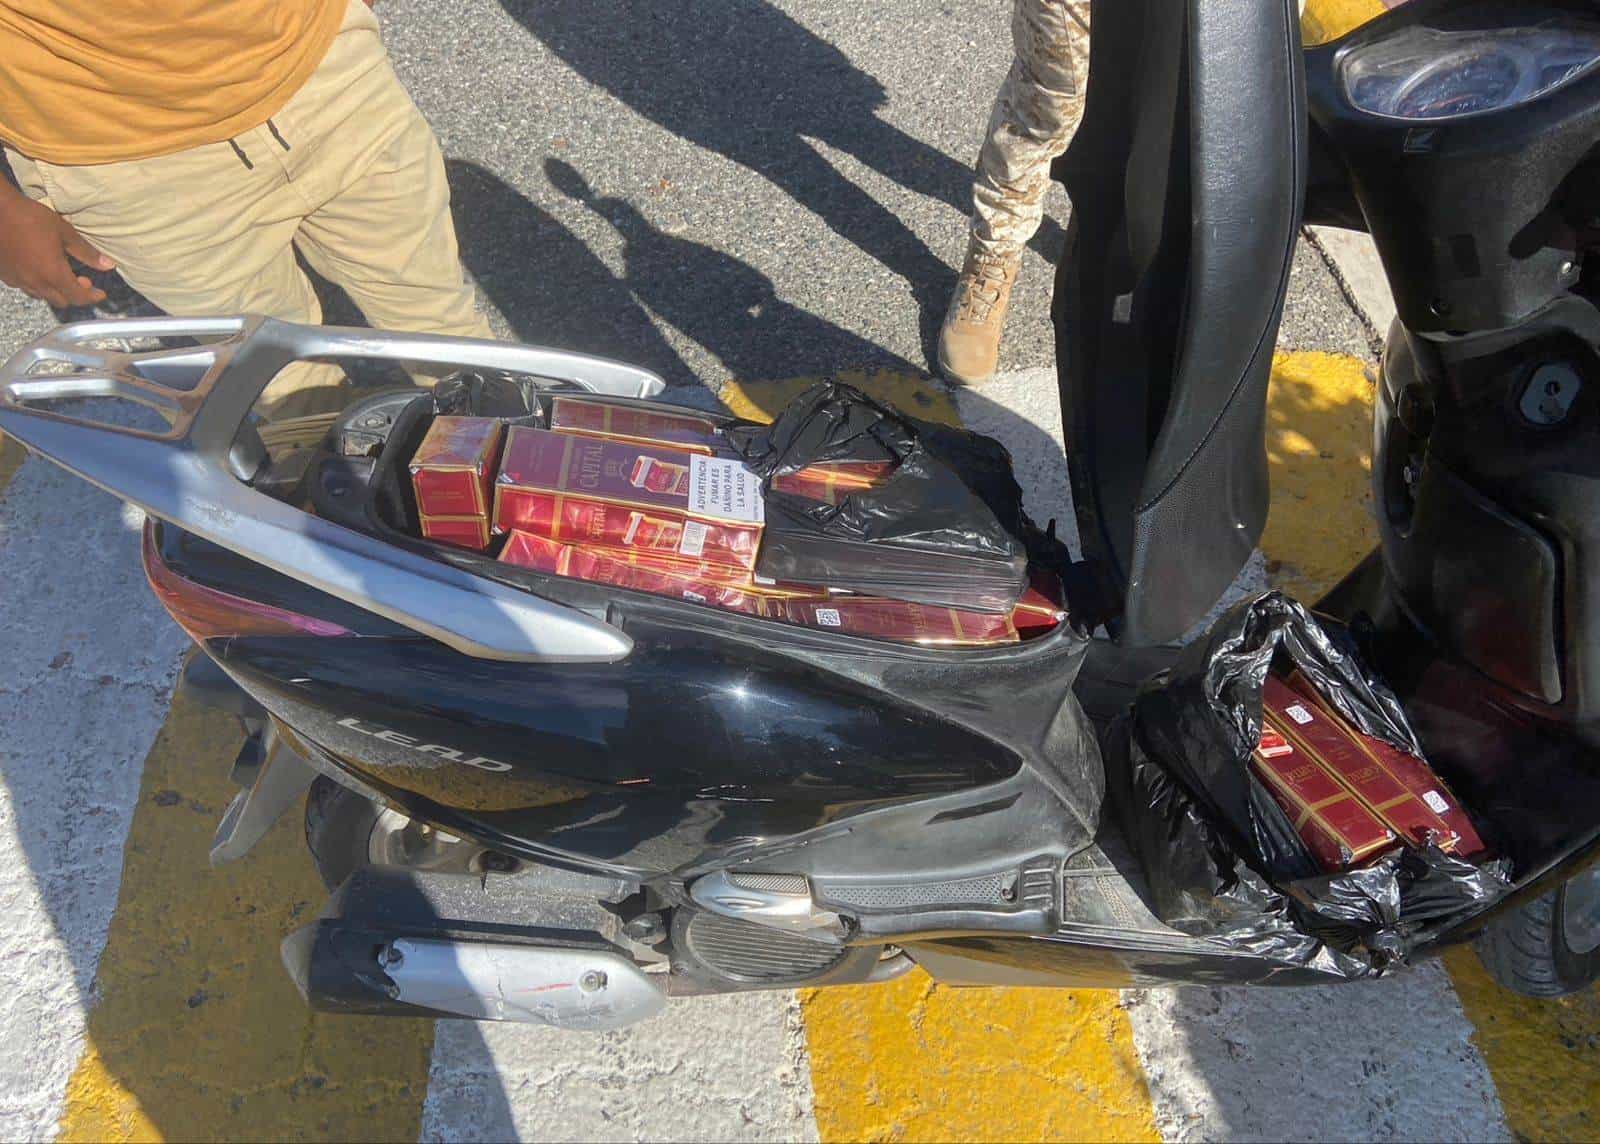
(969, 343)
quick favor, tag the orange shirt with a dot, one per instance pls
(100, 81)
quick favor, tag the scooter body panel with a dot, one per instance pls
(702, 745)
(680, 749)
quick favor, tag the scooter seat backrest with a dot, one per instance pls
(1186, 179)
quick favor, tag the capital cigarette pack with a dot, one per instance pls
(669, 428)
(1351, 797)
(620, 494)
(1399, 787)
(699, 583)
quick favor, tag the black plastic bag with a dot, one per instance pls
(488, 393)
(946, 527)
(1219, 856)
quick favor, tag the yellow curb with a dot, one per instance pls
(1319, 448)
(11, 457)
(916, 394)
(1544, 1056)
(198, 1033)
(914, 1060)
(1325, 20)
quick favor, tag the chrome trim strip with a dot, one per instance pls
(794, 911)
(205, 393)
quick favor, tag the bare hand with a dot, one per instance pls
(34, 245)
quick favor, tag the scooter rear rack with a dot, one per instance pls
(193, 474)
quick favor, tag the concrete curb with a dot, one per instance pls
(1355, 259)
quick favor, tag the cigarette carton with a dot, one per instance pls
(698, 583)
(452, 471)
(1040, 606)
(1338, 829)
(540, 553)
(1400, 788)
(461, 531)
(638, 423)
(833, 481)
(590, 490)
(904, 622)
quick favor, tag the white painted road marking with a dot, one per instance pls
(85, 676)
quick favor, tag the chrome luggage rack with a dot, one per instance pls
(190, 473)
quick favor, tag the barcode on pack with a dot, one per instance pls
(694, 539)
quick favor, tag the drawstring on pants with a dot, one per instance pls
(245, 159)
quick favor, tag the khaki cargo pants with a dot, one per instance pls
(1038, 109)
(348, 173)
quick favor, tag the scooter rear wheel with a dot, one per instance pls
(1548, 947)
(339, 826)
(346, 831)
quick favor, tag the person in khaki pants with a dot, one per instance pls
(198, 149)
(1035, 116)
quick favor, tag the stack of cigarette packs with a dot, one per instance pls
(452, 474)
(621, 494)
(1352, 798)
(654, 500)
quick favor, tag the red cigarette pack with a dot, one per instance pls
(720, 587)
(861, 473)
(1399, 787)
(1040, 607)
(461, 531)
(540, 553)
(452, 471)
(643, 425)
(593, 490)
(700, 583)
(903, 622)
(1337, 827)
(833, 481)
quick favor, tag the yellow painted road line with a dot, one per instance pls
(1325, 20)
(11, 457)
(914, 1060)
(197, 1033)
(912, 392)
(1319, 448)
(1544, 1056)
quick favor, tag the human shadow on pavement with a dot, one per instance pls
(723, 303)
(749, 82)
(550, 287)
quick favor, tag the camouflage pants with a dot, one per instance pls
(1034, 117)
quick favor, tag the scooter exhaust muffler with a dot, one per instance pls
(397, 942)
(346, 970)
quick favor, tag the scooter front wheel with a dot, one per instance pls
(1548, 947)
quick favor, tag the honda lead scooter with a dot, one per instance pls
(545, 799)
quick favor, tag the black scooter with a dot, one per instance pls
(545, 799)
